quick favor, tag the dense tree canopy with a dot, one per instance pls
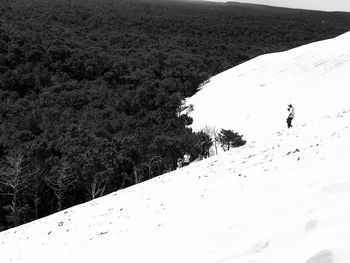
(91, 91)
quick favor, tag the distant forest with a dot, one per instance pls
(91, 90)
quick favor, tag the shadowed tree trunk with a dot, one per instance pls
(14, 176)
(61, 181)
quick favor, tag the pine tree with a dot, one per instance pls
(230, 139)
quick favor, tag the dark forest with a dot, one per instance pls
(91, 91)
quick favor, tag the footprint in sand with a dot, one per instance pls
(311, 226)
(258, 247)
(324, 256)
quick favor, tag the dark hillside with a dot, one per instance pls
(91, 90)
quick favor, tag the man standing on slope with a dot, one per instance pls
(290, 116)
(186, 160)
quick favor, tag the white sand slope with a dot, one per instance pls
(315, 78)
(281, 199)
